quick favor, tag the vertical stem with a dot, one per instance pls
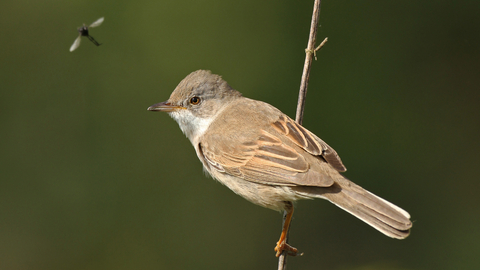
(282, 260)
(309, 53)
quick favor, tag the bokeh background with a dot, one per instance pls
(91, 180)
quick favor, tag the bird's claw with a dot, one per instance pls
(283, 246)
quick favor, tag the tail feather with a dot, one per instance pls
(382, 215)
(371, 204)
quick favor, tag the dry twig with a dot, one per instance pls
(310, 52)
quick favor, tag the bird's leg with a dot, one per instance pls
(282, 242)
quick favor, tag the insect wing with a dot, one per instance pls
(97, 22)
(76, 43)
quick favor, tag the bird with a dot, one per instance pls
(266, 157)
(83, 32)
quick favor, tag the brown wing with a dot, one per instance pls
(308, 141)
(265, 158)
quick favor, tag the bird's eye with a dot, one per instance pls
(194, 100)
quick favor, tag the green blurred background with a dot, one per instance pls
(91, 180)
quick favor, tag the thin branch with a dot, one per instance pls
(282, 260)
(310, 52)
(318, 48)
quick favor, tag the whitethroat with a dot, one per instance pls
(264, 156)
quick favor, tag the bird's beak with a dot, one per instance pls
(164, 107)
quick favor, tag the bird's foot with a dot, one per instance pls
(283, 246)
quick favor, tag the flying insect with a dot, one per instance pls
(83, 32)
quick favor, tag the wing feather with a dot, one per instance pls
(267, 161)
(309, 142)
(281, 152)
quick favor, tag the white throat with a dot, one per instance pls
(192, 126)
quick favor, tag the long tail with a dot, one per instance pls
(375, 211)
